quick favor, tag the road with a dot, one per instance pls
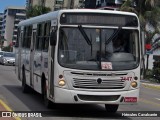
(11, 94)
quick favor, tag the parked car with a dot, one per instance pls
(7, 58)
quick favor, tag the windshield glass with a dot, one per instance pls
(9, 55)
(98, 49)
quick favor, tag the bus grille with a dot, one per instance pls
(93, 84)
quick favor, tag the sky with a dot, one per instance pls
(6, 3)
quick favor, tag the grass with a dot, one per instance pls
(151, 86)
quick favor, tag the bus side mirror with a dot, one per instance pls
(53, 38)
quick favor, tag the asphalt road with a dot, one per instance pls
(11, 94)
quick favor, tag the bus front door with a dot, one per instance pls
(51, 64)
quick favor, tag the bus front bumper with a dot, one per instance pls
(88, 97)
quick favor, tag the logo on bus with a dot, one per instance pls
(99, 80)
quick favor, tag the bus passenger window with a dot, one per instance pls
(39, 43)
(24, 37)
(46, 36)
(45, 44)
(27, 37)
(39, 36)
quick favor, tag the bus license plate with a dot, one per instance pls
(130, 99)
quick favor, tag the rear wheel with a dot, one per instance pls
(111, 108)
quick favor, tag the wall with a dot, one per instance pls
(9, 29)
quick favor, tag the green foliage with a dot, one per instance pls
(149, 73)
(156, 70)
(127, 7)
(156, 67)
(37, 10)
(151, 2)
(148, 12)
(7, 49)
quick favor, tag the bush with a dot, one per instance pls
(149, 73)
(156, 70)
(7, 49)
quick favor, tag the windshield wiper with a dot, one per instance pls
(113, 35)
(84, 34)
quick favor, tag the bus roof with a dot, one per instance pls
(56, 14)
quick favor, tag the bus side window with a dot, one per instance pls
(46, 36)
(27, 37)
(24, 37)
(39, 39)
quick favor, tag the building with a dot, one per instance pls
(1, 21)
(68, 4)
(103, 3)
(46, 3)
(56, 4)
(1, 38)
(12, 16)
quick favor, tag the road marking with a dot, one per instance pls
(157, 98)
(8, 108)
(149, 102)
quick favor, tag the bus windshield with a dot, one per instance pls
(89, 48)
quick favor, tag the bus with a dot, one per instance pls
(72, 57)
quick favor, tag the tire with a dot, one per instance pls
(111, 108)
(47, 102)
(25, 87)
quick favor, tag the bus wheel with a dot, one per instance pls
(25, 87)
(111, 108)
(47, 102)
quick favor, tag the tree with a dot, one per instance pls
(37, 10)
(148, 12)
(2, 41)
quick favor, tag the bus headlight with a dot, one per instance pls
(134, 84)
(61, 82)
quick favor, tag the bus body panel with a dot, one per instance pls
(87, 97)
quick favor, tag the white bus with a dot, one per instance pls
(76, 57)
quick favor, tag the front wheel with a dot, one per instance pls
(47, 102)
(111, 108)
